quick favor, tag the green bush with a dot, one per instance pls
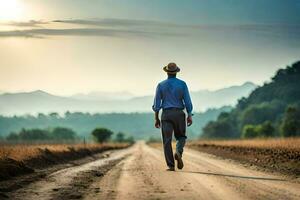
(102, 134)
(121, 138)
(60, 133)
(290, 126)
(222, 128)
(249, 131)
(266, 129)
(262, 130)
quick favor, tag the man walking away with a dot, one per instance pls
(172, 96)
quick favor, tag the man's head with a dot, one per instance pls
(172, 69)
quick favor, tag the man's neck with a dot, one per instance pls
(171, 75)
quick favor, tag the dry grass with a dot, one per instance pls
(282, 143)
(21, 152)
(276, 155)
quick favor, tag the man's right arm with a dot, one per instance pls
(157, 120)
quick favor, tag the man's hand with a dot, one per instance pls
(157, 123)
(189, 120)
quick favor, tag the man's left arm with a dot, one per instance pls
(157, 106)
(188, 105)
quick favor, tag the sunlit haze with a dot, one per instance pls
(76, 46)
(11, 10)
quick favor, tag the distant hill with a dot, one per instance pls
(227, 96)
(107, 96)
(99, 102)
(270, 110)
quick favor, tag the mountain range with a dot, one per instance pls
(101, 102)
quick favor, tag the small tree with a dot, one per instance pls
(60, 133)
(102, 134)
(120, 137)
(266, 129)
(249, 131)
(290, 125)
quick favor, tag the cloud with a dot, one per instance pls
(41, 33)
(118, 22)
(31, 23)
(148, 28)
(17, 34)
(263, 29)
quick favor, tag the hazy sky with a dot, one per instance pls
(71, 46)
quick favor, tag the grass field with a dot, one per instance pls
(283, 143)
(19, 159)
(278, 155)
(22, 152)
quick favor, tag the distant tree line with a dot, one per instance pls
(139, 125)
(272, 110)
(58, 134)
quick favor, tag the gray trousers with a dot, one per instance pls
(173, 121)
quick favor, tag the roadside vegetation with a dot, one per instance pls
(30, 149)
(24, 152)
(102, 135)
(30, 143)
(19, 159)
(278, 155)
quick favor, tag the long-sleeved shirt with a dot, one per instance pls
(172, 93)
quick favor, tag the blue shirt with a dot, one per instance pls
(172, 93)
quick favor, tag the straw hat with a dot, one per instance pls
(171, 68)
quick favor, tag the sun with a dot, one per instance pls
(10, 10)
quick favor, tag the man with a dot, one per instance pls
(172, 96)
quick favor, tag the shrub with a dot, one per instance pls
(120, 137)
(266, 129)
(61, 133)
(249, 131)
(290, 125)
(262, 130)
(218, 129)
(102, 134)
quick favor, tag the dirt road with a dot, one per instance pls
(139, 173)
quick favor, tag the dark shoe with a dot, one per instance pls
(172, 169)
(178, 158)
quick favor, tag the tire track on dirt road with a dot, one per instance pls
(72, 182)
(142, 176)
